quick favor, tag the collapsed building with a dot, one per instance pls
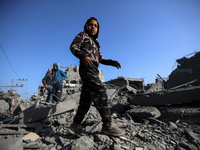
(163, 116)
(182, 86)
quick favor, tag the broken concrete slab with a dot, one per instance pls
(123, 82)
(139, 113)
(13, 143)
(167, 97)
(43, 112)
(13, 131)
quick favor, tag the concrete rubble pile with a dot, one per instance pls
(183, 85)
(156, 125)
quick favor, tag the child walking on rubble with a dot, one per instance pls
(87, 49)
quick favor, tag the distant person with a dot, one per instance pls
(57, 82)
(87, 49)
(47, 82)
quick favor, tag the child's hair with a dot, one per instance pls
(86, 26)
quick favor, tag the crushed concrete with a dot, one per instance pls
(146, 128)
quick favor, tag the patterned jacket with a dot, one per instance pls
(84, 46)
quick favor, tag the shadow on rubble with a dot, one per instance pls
(189, 113)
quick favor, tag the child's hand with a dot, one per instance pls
(46, 86)
(88, 61)
(116, 64)
(58, 81)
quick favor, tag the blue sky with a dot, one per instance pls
(145, 36)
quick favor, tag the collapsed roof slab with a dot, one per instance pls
(138, 84)
(38, 113)
(168, 97)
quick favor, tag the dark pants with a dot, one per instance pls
(92, 91)
(57, 93)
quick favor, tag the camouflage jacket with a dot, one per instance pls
(84, 46)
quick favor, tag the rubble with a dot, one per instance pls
(168, 96)
(158, 118)
(39, 111)
(183, 85)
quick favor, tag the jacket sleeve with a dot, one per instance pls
(75, 46)
(44, 79)
(105, 61)
(64, 76)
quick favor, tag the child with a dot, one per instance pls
(86, 48)
(57, 82)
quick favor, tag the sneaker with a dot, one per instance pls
(112, 130)
(77, 130)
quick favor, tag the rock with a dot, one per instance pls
(13, 143)
(139, 113)
(82, 143)
(31, 136)
(4, 107)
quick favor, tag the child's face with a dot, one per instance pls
(55, 67)
(92, 27)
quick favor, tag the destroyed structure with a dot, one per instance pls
(161, 116)
(181, 87)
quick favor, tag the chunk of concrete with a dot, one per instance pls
(31, 136)
(14, 143)
(3, 106)
(83, 143)
(144, 112)
(38, 113)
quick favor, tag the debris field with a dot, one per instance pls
(162, 116)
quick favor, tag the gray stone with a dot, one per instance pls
(11, 143)
(144, 112)
(173, 125)
(38, 113)
(3, 106)
(82, 143)
(101, 138)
